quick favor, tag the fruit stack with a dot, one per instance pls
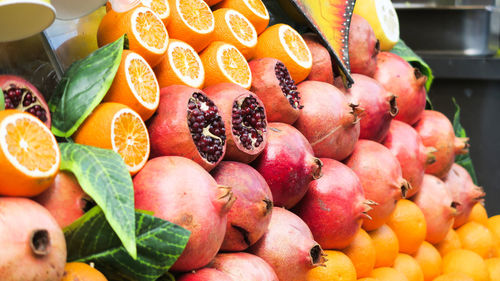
(239, 132)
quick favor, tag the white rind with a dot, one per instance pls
(220, 52)
(136, 33)
(199, 80)
(250, 44)
(304, 64)
(128, 60)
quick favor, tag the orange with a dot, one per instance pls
(407, 265)
(212, 2)
(338, 267)
(493, 225)
(29, 155)
(362, 253)
(450, 242)
(493, 266)
(282, 42)
(429, 260)
(386, 245)
(232, 27)
(253, 10)
(135, 85)
(146, 32)
(191, 21)
(467, 262)
(368, 279)
(388, 274)
(160, 7)
(82, 272)
(408, 222)
(225, 64)
(181, 66)
(454, 276)
(117, 127)
(477, 238)
(478, 214)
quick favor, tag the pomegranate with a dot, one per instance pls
(288, 164)
(289, 247)
(180, 191)
(437, 132)
(328, 121)
(404, 81)
(244, 266)
(322, 62)
(205, 274)
(249, 217)
(334, 206)
(363, 47)
(381, 177)
(245, 118)
(438, 208)
(65, 199)
(463, 191)
(33, 245)
(380, 106)
(272, 82)
(405, 143)
(22, 95)
(187, 123)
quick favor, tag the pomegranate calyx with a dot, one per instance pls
(317, 169)
(430, 157)
(421, 78)
(394, 106)
(461, 146)
(269, 206)
(405, 187)
(226, 197)
(40, 242)
(318, 257)
(357, 113)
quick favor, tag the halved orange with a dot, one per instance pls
(160, 7)
(232, 27)
(191, 21)
(181, 66)
(115, 126)
(135, 85)
(29, 154)
(146, 32)
(225, 64)
(284, 43)
(253, 10)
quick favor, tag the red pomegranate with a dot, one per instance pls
(205, 274)
(328, 121)
(289, 247)
(250, 215)
(187, 123)
(272, 83)
(334, 206)
(180, 191)
(363, 47)
(437, 132)
(407, 83)
(22, 95)
(381, 177)
(322, 62)
(244, 117)
(33, 245)
(288, 164)
(244, 266)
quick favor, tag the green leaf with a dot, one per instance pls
(166, 277)
(103, 175)
(465, 159)
(83, 87)
(2, 100)
(159, 244)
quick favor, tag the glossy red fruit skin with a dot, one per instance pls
(179, 190)
(405, 82)
(287, 164)
(334, 206)
(328, 121)
(363, 47)
(244, 266)
(251, 213)
(205, 274)
(322, 62)
(224, 95)
(381, 177)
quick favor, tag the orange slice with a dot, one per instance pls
(253, 10)
(225, 64)
(117, 127)
(284, 43)
(135, 85)
(181, 66)
(191, 21)
(233, 28)
(146, 32)
(160, 7)
(29, 154)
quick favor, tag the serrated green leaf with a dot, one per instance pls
(2, 100)
(103, 175)
(83, 87)
(463, 160)
(159, 244)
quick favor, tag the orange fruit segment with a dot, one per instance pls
(82, 272)
(337, 267)
(225, 64)
(117, 127)
(477, 238)
(29, 154)
(362, 253)
(408, 222)
(386, 246)
(161, 7)
(429, 260)
(135, 85)
(181, 66)
(254, 10)
(466, 262)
